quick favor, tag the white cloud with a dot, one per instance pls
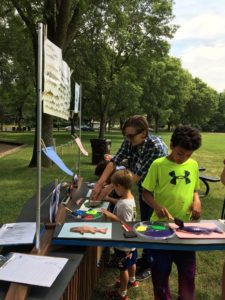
(207, 63)
(200, 40)
(204, 27)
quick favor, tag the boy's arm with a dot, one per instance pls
(110, 215)
(196, 207)
(161, 212)
(110, 199)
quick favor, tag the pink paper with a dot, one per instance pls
(189, 235)
(79, 144)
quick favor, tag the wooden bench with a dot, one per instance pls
(206, 179)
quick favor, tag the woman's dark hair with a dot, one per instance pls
(138, 122)
(187, 137)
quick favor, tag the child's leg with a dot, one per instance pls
(124, 277)
(186, 266)
(132, 271)
(161, 265)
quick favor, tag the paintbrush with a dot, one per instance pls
(72, 212)
(177, 221)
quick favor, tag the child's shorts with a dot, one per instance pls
(125, 259)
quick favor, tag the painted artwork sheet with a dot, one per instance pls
(214, 231)
(87, 205)
(67, 233)
(57, 91)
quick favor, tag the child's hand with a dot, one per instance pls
(196, 210)
(162, 212)
(196, 207)
(109, 215)
(105, 211)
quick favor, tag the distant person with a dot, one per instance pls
(124, 211)
(140, 149)
(171, 189)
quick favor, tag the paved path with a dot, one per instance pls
(7, 148)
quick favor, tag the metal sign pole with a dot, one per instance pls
(39, 129)
(79, 154)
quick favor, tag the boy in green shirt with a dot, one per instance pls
(171, 188)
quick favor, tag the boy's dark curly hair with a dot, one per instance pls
(186, 137)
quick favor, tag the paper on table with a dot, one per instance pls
(32, 269)
(85, 206)
(66, 233)
(17, 233)
(188, 235)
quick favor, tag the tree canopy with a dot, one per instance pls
(119, 52)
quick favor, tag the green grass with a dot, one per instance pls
(18, 183)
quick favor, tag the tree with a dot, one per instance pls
(202, 104)
(115, 34)
(181, 90)
(158, 86)
(63, 19)
(217, 120)
(16, 76)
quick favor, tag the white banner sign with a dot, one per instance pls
(57, 90)
(77, 97)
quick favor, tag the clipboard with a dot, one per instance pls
(20, 233)
(31, 269)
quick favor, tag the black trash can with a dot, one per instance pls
(100, 147)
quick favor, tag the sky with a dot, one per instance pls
(200, 40)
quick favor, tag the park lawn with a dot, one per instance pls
(18, 183)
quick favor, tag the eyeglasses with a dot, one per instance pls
(130, 136)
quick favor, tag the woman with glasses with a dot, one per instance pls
(139, 149)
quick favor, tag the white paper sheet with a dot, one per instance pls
(77, 98)
(32, 269)
(57, 90)
(17, 233)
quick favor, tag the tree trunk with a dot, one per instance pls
(157, 122)
(102, 126)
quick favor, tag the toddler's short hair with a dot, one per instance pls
(124, 178)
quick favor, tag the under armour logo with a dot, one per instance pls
(174, 177)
